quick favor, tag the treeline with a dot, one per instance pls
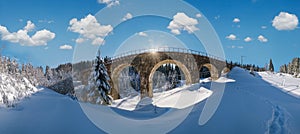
(58, 79)
(167, 76)
(292, 68)
(252, 67)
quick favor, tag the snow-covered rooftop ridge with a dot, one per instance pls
(13, 89)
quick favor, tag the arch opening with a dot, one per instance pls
(204, 72)
(126, 80)
(161, 80)
(208, 71)
(167, 77)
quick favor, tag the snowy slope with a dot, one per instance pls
(14, 89)
(286, 82)
(249, 105)
(46, 112)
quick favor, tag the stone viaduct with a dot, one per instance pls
(147, 61)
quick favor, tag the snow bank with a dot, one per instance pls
(14, 89)
(179, 98)
(224, 80)
(220, 80)
(286, 82)
(183, 98)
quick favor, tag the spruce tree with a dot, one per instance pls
(271, 67)
(101, 78)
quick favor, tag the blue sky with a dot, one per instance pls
(126, 24)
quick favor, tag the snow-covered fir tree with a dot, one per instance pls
(13, 84)
(174, 80)
(101, 78)
(48, 73)
(271, 66)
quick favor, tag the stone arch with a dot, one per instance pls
(212, 69)
(115, 78)
(204, 72)
(183, 67)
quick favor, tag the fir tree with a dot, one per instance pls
(101, 78)
(271, 67)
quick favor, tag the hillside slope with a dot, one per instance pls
(46, 112)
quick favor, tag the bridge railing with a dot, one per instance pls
(164, 49)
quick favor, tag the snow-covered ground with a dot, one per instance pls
(46, 112)
(167, 98)
(249, 105)
(180, 98)
(286, 82)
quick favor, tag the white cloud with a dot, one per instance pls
(21, 36)
(30, 26)
(109, 3)
(98, 41)
(263, 27)
(42, 36)
(142, 34)
(89, 29)
(3, 30)
(198, 15)
(261, 38)
(285, 21)
(231, 37)
(127, 17)
(46, 21)
(236, 20)
(66, 47)
(233, 47)
(181, 22)
(79, 40)
(247, 39)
